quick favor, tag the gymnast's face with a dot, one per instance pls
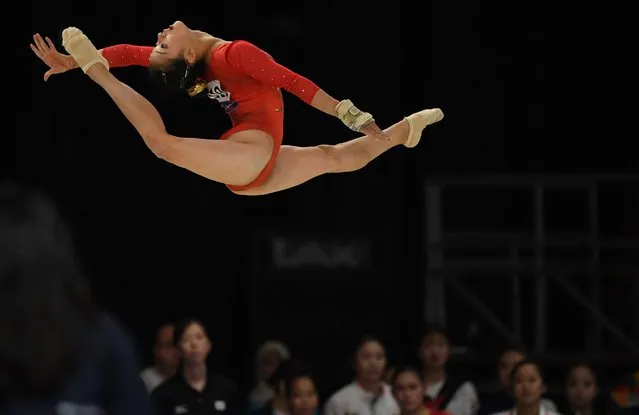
(171, 45)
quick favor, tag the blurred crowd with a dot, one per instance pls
(60, 354)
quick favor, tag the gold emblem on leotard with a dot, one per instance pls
(199, 87)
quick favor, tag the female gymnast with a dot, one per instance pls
(249, 158)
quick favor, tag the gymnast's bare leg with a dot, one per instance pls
(297, 165)
(236, 161)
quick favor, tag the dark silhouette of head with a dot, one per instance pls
(43, 299)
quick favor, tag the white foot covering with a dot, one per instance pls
(418, 121)
(78, 45)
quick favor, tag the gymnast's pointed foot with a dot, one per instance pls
(80, 47)
(418, 121)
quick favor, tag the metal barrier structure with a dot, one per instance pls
(533, 254)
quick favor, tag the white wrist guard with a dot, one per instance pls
(351, 116)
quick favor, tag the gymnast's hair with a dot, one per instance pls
(44, 299)
(179, 77)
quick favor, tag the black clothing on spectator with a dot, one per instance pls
(176, 396)
(447, 392)
(492, 403)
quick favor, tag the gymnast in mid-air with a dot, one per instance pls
(246, 81)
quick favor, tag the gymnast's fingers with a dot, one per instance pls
(40, 43)
(36, 51)
(51, 44)
(373, 130)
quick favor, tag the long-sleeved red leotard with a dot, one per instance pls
(127, 55)
(246, 81)
(238, 73)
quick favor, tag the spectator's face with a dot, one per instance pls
(506, 363)
(165, 352)
(195, 345)
(370, 361)
(269, 364)
(528, 385)
(304, 399)
(435, 350)
(409, 392)
(581, 388)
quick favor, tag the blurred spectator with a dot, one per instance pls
(625, 396)
(444, 392)
(528, 386)
(286, 371)
(194, 390)
(582, 391)
(368, 394)
(268, 358)
(166, 358)
(58, 353)
(502, 399)
(408, 389)
(389, 374)
(278, 405)
(301, 392)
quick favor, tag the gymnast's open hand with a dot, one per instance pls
(56, 61)
(371, 129)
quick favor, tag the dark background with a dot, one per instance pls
(162, 243)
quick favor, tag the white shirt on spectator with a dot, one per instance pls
(463, 402)
(550, 406)
(355, 400)
(152, 378)
(543, 410)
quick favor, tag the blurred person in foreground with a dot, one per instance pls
(58, 353)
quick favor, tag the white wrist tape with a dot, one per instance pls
(78, 45)
(351, 116)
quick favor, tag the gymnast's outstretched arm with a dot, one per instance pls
(116, 56)
(127, 55)
(255, 63)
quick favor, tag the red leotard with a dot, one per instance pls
(246, 81)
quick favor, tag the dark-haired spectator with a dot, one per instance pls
(502, 399)
(528, 387)
(408, 389)
(166, 359)
(301, 392)
(582, 391)
(368, 394)
(444, 391)
(194, 390)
